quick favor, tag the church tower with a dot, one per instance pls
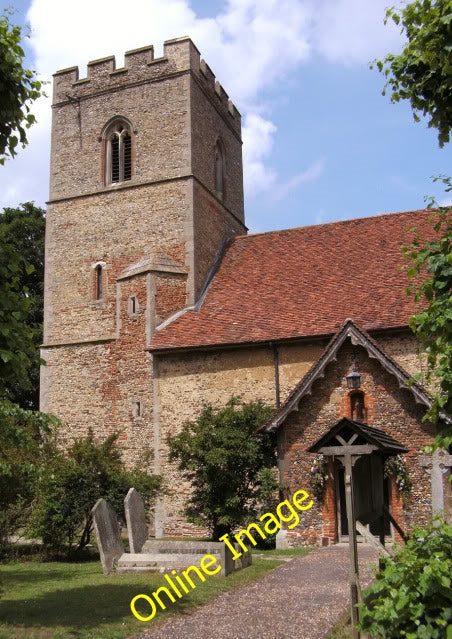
(146, 185)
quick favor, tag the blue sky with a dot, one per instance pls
(320, 141)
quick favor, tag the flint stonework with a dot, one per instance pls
(108, 535)
(136, 520)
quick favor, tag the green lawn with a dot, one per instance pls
(68, 600)
(342, 628)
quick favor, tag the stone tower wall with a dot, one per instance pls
(97, 368)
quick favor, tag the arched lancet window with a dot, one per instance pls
(358, 410)
(219, 170)
(98, 282)
(118, 152)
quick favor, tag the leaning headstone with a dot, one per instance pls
(108, 535)
(136, 520)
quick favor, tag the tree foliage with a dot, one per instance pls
(25, 437)
(225, 461)
(431, 268)
(17, 350)
(422, 73)
(70, 484)
(18, 87)
(411, 597)
(22, 231)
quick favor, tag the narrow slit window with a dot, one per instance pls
(219, 171)
(133, 306)
(137, 409)
(98, 276)
(357, 407)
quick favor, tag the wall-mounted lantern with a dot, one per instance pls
(353, 378)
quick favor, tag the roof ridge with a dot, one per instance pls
(333, 223)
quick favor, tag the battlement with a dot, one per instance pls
(179, 55)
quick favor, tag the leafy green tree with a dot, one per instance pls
(422, 73)
(411, 597)
(17, 350)
(22, 231)
(25, 437)
(225, 461)
(431, 269)
(18, 87)
(69, 485)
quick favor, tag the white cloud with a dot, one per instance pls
(257, 136)
(251, 45)
(312, 173)
(72, 33)
(353, 31)
(264, 39)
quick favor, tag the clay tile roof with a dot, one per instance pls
(303, 282)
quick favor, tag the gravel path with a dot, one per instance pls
(300, 600)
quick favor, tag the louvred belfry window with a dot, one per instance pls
(119, 154)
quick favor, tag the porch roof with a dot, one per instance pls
(350, 330)
(345, 430)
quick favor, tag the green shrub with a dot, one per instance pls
(224, 459)
(71, 483)
(24, 440)
(412, 595)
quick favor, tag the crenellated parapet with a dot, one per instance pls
(140, 66)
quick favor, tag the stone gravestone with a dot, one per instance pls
(436, 466)
(136, 520)
(108, 535)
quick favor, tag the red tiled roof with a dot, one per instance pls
(304, 282)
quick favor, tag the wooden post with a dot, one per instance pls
(353, 572)
(382, 521)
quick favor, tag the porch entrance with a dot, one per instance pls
(362, 477)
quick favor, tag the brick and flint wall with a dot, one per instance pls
(186, 380)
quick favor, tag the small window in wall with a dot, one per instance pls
(219, 170)
(133, 306)
(137, 409)
(118, 152)
(357, 407)
(98, 274)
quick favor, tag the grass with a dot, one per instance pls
(342, 628)
(75, 600)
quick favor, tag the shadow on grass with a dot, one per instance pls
(85, 607)
(14, 578)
